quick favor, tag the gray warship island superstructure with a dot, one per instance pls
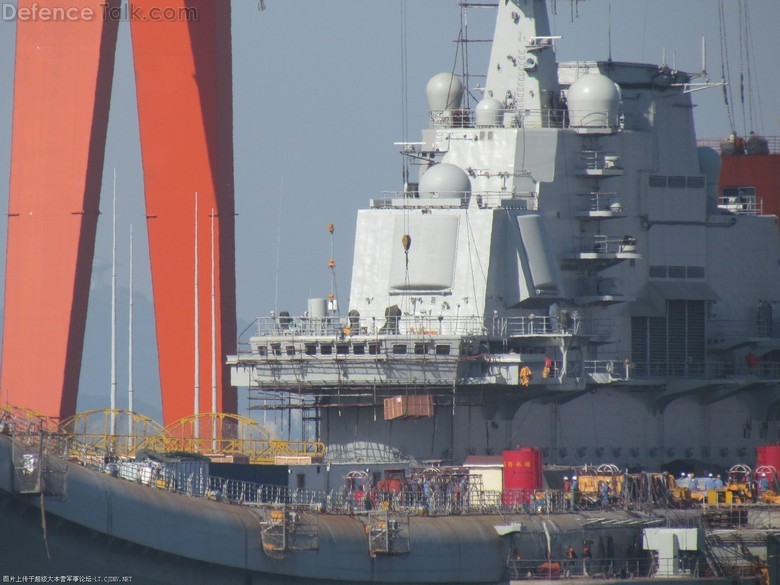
(562, 275)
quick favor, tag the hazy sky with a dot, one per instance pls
(318, 104)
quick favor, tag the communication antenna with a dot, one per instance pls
(113, 313)
(333, 303)
(196, 386)
(609, 33)
(130, 389)
(213, 344)
(704, 57)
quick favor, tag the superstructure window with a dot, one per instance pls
(326, 349)
(420, 348)
(657, 181)
(677, 272)
(359, 348)
(399, 348)
(442, 349)
(290, 349)
(262, 350)
(658, 272)
(276, 348)
(695, 271)
(342, 348)
(310, 349)
(677, 182)
(373, 348)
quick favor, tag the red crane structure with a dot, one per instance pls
(62, 88)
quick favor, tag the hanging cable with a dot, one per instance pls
(754, 95)
(740, 5)
(404, 96)
(725, 77)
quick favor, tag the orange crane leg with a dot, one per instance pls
(184, 89)
(62, 89)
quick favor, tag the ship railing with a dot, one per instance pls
(603, 244)
(740, 205)
(563, 323)
(244, 492)
(617, 368)
(287, 325)
(648, 565)
(451, 499)
(512, 118)
(603, 201)
(598, 160)
(347, 327)
(704, 369)
(482, 199)
(725, 146)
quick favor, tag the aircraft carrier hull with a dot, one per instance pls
(107, 526)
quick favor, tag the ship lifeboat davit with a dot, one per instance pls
(444, 181)
(594, 102)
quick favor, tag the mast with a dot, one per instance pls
(130, 389)
(113, 313)
(523, 75)
(333, 298)
(213, 345)
(196, 386)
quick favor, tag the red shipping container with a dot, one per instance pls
(522, 473)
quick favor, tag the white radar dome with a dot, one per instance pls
(709, 163)
(489, 112)
(594, 101)
(444, 181)
(445, 92)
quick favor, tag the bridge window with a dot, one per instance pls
(442, 350)
(399, 348)
(262, 350)
(342, 348)
(373, 348)
(359, 348)
(310, 349)
(290, 349)
(326, 348)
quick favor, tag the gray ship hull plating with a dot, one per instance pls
(109, 526)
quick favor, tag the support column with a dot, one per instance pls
(62, 89)
(184, 86)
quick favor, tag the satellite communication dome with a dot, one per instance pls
(444, 181)
(488, 112)
(445, 92)
(709, 164)
(593, 101)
